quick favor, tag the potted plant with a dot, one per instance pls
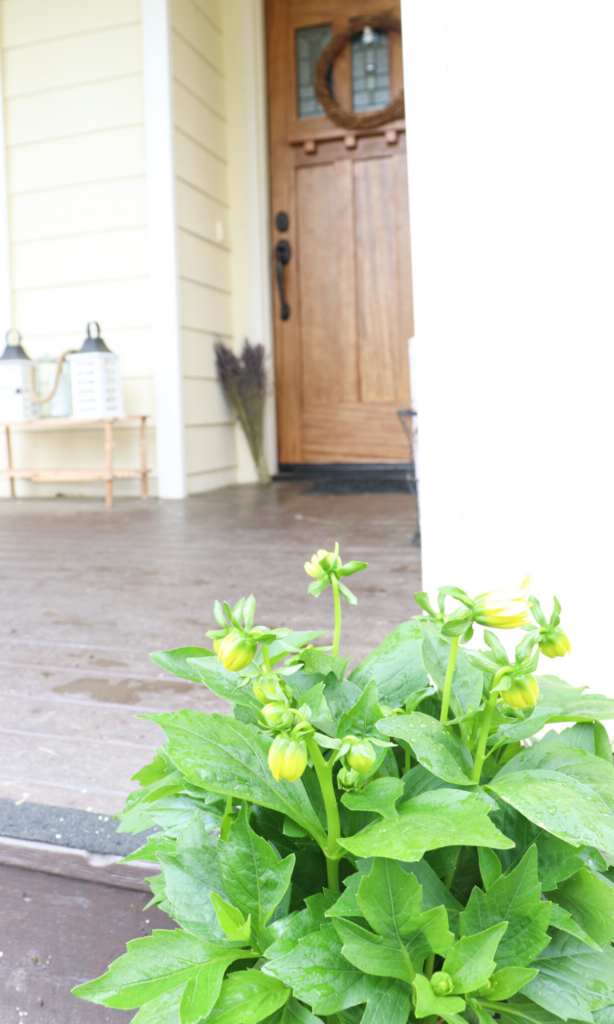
(392, 845)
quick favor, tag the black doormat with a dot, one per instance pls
(398, 478)
(361, 485)
(66, 826)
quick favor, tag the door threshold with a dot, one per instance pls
(351, 478)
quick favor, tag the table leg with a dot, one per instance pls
(9, 456)
(108, 462)
(144, 458)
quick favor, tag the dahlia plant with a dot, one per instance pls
(406, 842)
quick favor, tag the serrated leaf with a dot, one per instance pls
(248, 997)
(227, 685)
(292, 1012)
(428, 1004)
(230, 757)
(490, 866)
(564, 922)
(515, 898)
(436, 747)
(190, 875)
(590, 902)
(557, 860)
(157, 843)
(230, 918)
(523, 1011)
(379, 796)
(316, 660)
(251, 872)
(395, 665)
(573, 980)
(445, 817)
(591, 737)
(559, 804)
(320, 976)
(201, 992)
(163, 1009)
(288, 931)
(347, 904)
(177, 661)
(471, 961)
(467, 681)
(360, 720)
(154, 965)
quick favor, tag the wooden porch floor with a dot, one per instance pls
(88, 592)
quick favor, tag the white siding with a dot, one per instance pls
(204, 254)
(73, 105)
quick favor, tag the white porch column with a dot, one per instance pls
(157, 75)
(511, 164)
(6, 316)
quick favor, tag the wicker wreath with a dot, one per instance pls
(344, 118)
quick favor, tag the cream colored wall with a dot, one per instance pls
(203, 235)
(73, 104)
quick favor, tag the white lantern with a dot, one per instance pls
(95, 379)
(17, 402)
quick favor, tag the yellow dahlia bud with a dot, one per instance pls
(523, 693)
(313, 568)
(441, 983)
(287, 758)
(277, 715)
(236, 651)
(504, 608)
(554, 643)
(361, 756)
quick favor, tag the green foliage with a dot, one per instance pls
(429, 864)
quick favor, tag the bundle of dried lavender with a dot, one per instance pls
(243, 381)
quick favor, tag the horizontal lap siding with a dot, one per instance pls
(73, 99)
(205, 286)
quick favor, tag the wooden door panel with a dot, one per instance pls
(380, 330)
(341, 358)
(326, 283)
(356, 433)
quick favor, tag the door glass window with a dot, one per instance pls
(309, 45)
(370, 70)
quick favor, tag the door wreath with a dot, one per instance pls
(346, 118)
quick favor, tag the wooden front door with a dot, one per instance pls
(341, 352)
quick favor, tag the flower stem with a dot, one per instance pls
(226, 820)
(429, 964)
(337, 598)
(480, 754)
(324, 771)
(447, 686)
(265, 657)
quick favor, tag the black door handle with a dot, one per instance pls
(283, 253)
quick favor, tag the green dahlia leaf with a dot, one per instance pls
(556, 861)
(558, 702)
(573, 980)
(361, 718)
(515, 898)
(248, 997)
(437, 748)
(490, 866)
(163, 1009)
(177, 661)
(592, 737)
(523, 1011)
(316, 660)
(288, 931)
(230, 757)
(559, 804)
(292, 1012)
(251, 873)
(391, 901)
(564, 922)
(551, 755)
(509, 981)
(395, 665)
(471, 961)
(379, 796)
(467, 681)
(190, 875)
(320, 976)
(590, 901)
(155, 965)
(227, 685)
(442, 818)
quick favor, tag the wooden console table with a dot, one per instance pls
(108, 473)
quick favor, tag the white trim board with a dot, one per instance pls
(6, 315)
(164, 276)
